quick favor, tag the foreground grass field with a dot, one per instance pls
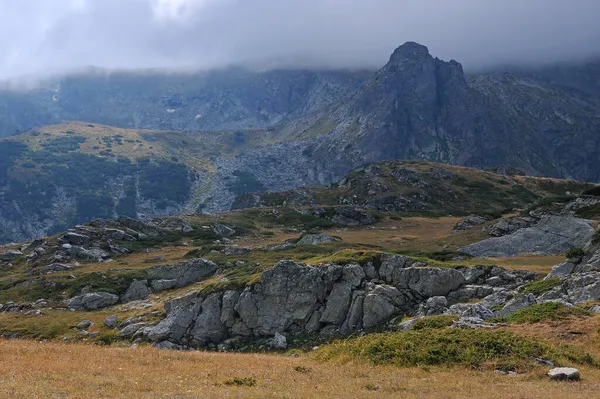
(31, 369)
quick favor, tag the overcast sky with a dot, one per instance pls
(38, 36)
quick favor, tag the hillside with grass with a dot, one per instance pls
(298, 290)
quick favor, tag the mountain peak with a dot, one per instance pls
(409, 51)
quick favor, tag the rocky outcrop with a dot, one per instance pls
(92, 301)
(293, 299)
(552, 235)
(468, 222)
(180, 274)
(316, 239)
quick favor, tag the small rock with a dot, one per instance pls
(544, 362)
(278, 342)
(84, 325)
(564, 373)
(10, 255)
(111, 321)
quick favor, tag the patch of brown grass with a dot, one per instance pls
(30, 369)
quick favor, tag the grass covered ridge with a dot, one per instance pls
(451, 347)
(548, 311)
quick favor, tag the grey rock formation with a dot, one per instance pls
(111, 321)
(562, 270)
(476, 310)
(469, 222)
(552, 235)
(10, 255)
(316, 239)
(434, 306)
(519, 302)
(84, 325)
(180, 274)
(222, 230)
(334, 300)
(278, 342)
(346, 216)
(564, 373)
(92, 301)
(507, 226)
(428, 282)
(138, 289)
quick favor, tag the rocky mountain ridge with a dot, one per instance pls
(415, 107)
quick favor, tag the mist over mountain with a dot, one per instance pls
(206, 34)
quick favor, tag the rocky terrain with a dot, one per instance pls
(333, 275)
(278, 131)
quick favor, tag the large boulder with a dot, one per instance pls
(138, 289)
(510, 225)
(222, 230)
(391, 266)
(564, 373)
(92, 301)
(340, 297)
(10, 255)
(519, 302)
(92, 254)
(287, 294)
(208, 327)
(352, 217)
(316, 239)
(427, 282)
(180, 274)
(469, 222)
(381, 305)
(552, 235)
(76, 238)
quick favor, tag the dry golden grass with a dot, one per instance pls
(30, 369)
(534, 263)
(583, 332)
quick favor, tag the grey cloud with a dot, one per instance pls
(41, 36)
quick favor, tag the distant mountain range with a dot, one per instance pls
(212, 137)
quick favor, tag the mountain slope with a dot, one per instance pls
(418, 107)
(226, 99)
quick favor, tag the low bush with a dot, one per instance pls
(434, 322)
(241, 382)
(538, 287)
(575, 253)
(451, 347)
(548, 311)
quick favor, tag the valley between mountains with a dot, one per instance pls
(396, 233)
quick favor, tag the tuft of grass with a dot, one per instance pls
(575, 253)
(434, 322)
(108, 337)
(596, 237)
(302, 369)
(447, 347)
(538, 287)
(241, 382)
(589, 212)
(549, 311)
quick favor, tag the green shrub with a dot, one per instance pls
(450, 347)
(108, 337)
(538, 287)
(589, 212)
(434, 322)
(302, 369)
(241, 382)
(575, 253)
(549, 311)
(596, 237)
